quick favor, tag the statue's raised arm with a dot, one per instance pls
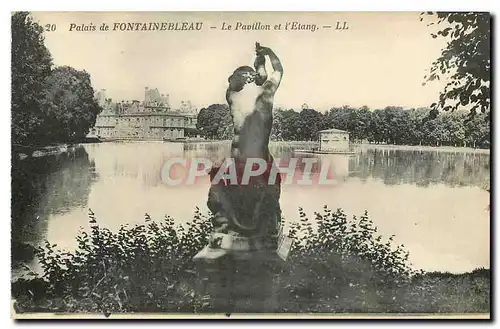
(272, 84)
(250, 96)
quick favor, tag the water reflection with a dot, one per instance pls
(422, 168)
(408, 193)
(134, 160)
(45, 186)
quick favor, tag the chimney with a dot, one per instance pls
(167, 100)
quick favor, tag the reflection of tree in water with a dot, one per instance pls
(42, 187)
(216, 152)
(422, 168)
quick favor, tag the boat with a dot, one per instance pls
(91, 139)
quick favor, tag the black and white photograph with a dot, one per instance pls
(223, 164)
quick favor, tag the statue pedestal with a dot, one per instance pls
(238, 276)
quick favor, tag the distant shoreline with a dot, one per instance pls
(63, 147)
(394, 147)
(423, 148)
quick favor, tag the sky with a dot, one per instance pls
(380, 60)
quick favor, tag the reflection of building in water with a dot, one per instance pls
(333, 140)
(213, 151)
(152, 119)
(338, 164)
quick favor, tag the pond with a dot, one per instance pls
(433, 201)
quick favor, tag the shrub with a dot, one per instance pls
(137, 269)
(342, 265)
(336, 265)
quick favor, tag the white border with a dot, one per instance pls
(185, 5)
(257, 5)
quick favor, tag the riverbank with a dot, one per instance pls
(23, 152)
(309, 145)
(306, 145)
(361, 146)
(438, 294)
(421, 148)
(340, 268)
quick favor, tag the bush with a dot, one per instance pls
(137, 269)
(336, 265)
(342, 266)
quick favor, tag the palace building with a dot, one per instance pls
(152, 119)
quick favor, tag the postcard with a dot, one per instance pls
(250, 165)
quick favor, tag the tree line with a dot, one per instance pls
(49, 104)
(465, 61)
(391, 125)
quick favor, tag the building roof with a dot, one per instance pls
(333, 130)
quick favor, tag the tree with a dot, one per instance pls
(401, 127)
(226, 128)
(277, 128)
(338, 118)
(360, 119)
(477, 131)
(290, 125)
(309, 124)
(465, 59)
(70, 107)
(212, 120)
(30, 64)
(454, 125)
(418, 118)
(379, 127)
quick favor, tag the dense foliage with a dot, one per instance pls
(391, 125)
(465, 61)
(336, 264)
(31, 65)
(342, 265)
(49, 105)
(214, 122)
(70, 107)
(139, 268)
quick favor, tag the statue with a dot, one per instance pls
(247, 215)
(249, 210)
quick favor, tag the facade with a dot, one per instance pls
(152, 119)
(333, 140)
